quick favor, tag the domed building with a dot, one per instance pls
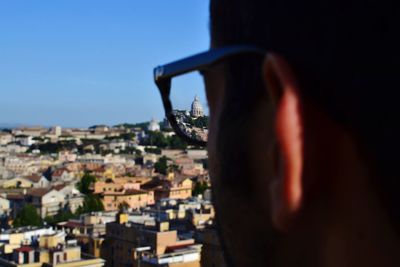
(154, 126)
(197, 108)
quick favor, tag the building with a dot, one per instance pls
(13, 148)
(73, 199)
(45, 249)
(127, 198)
(100, 129)
(115, 185)
(57, 130)
(175, 188)
(5, 138)
(66, 156)
(197, 213)
(5, 206)
(89, 230)
(132, 244)
(17, 202)
(197, 108)
(18, 182)
(197, 154)
(154, 126)
(32, 131)
(91, 224)
(17, 164)
(38, 181)
(62, 175)
(24, 140)
(48, 202)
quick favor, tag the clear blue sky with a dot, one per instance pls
(84, 62)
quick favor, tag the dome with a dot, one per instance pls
(197, 108)
(153, 125)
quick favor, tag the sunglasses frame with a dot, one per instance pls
(164, 74)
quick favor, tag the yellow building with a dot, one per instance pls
(178, 188)
(53, 250)
(132, 198)
(18, 182)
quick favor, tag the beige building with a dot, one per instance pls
(117, 184)
(18, 182)
(133, 198)
(173, 188)
(53, 250)
(125, 242)
(32, 131)
(5, 138)
(48, 202)
(4, 206)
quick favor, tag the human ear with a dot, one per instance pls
(286, 187)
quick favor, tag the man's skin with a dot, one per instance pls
(311, 200)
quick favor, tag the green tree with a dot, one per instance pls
(155, 139)
(84, 184)
(91, 203)
(199, 188)
(161, 165)
(138, 153)
(175, 142)
(128, 136)
(61, 216)
(27, 216)
(201, 122)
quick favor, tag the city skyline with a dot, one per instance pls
(78, 64)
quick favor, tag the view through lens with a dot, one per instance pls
(190, 105)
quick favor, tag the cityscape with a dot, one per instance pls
(122, 195)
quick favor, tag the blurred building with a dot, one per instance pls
(133, 244)
(197, 108)
(154, 126)
(43, 247)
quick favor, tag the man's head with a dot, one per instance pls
(296, 136)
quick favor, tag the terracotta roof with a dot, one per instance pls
(33, 178)
(135, 192)
(178, 178)
(126, 192)
(59, 187)
(38, 192)
(100, 169)
(154, 183)
(15, 197)
(59, 172)
(24, 249)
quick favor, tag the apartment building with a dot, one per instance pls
(132, 244)
(46, 250)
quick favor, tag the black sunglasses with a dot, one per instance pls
(199, 62)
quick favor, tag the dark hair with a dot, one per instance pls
(346, 55)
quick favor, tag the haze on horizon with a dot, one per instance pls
(79, 63)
